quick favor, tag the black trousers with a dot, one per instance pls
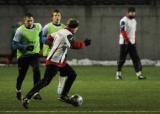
(23, 65)
(131, 49)
(50, 72)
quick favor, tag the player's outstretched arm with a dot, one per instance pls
(78, 44)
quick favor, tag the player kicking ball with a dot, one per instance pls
(56, 61)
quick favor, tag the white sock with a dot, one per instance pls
(61, 85)
(118, 73)
(18, 90)
(139, 73)
(35, 94)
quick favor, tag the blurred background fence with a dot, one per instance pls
(99, 21)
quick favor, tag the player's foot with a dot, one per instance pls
(65, 99)
(19, 95)
(25, 103)
(141, 77)
(37, 96)
(118, 77)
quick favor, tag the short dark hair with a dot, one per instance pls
(72, 23)
(56, 11)
(131, 9)
(28, 15)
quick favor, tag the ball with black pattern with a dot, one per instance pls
(77, 100)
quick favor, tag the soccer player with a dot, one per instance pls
(48, 29)
(56, 60)
(27, 43)
(127, 44)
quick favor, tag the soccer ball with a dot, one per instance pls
(77, 100)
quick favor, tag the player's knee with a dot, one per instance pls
(73, 75)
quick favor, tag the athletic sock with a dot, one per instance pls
(138, 73)
(118, 73)
(61, 85)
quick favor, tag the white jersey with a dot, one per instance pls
(60, 46)
(129, 26)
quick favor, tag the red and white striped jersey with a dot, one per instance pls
(127, 26)
(60, 46)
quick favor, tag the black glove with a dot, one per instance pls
(30, 48)
(87, 42)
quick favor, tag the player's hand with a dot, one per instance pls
(87, 42)
(50, 39)
(127, 42)
(30, 48)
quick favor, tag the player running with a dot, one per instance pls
(56, 60)
(27, 43)
(127, 44)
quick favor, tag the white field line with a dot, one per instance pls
(98, 111)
